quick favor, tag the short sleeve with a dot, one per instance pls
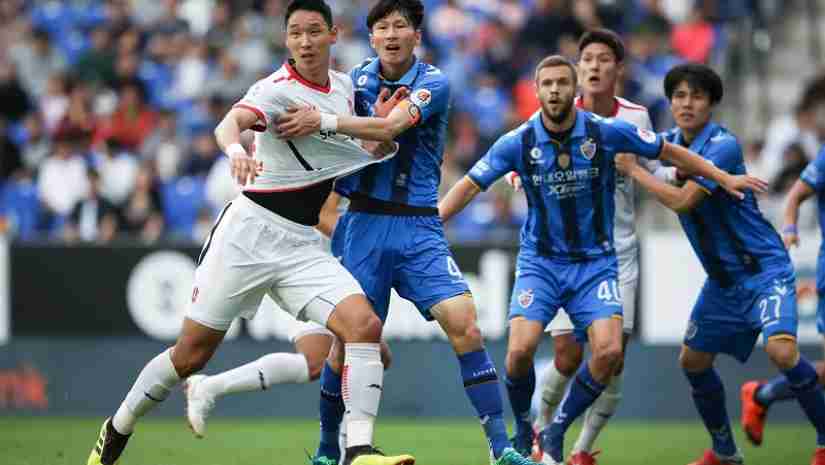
(624, 137)
(497, 162)
(431, 96)
(263, 100)
(814, 173)
(725, 155)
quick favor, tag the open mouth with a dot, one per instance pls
(393, 48)
(594, 80)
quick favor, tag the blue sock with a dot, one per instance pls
(332, 413)
(481, 384)
(582, 392)
(804, 383)
(709, 397)
(520, 391)
(777, 389)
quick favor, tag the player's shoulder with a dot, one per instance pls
(722, 139)
(515, 136)
(272, 83)
(431, 76)
(632, 113)
(625, 104)
(340, 79)
(362, 67)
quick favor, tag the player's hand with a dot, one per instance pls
(625, 163)
(380, 149)
(385, 102)
(514, 180)
(790, 236)
(298, 121)
(737, 185)
(244, 168)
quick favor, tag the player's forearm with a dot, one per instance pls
(368, 128)
(693, 164)
(457, 198)
(665, 174)
(227, 133)
(798, 194)
(667, 194)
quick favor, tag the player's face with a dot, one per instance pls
(691, 108)
(598, 69)
(394, 39)
(555, 89)
(308, 39)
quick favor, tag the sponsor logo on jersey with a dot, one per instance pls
(535, 155)
(645, 135)
(525, 298)
(589, 148)
(362, 80)
(421, 97)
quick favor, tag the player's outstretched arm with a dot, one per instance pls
(693, 164)
(328, 217)
(302, 121)
(679, 199)
(457, 198)
(228, 136)
(800, 192)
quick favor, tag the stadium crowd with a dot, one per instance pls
(109, 106)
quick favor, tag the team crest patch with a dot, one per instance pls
(525, 298)
(646, 135)
(421, 97)
(589, 148)
(563, 160)
(362, 80)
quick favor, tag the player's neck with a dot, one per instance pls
(560, 127)
(318, 75)
(395, 71)
(600, 104)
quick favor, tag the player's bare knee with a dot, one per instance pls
(608, 354)
(783, 353)
(314, 367)
(368, 329)
(568, 354)
(187, 363)
(467, 338)
(518, 361)
(694, 362)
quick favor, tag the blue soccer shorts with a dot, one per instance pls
(408, 253)
(729, 320)
(587, 290)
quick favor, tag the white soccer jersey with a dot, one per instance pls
(307, 160)
(624, 222)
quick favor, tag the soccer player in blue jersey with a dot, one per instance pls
(564, 158)
(756, 396)
(750, 285)
(392, 236)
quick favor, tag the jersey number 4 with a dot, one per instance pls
(609, 291)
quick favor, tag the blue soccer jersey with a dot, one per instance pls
(570, 184)
(413, 175)
(731, 237)
(814, 176)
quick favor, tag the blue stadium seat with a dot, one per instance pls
(182, 200)
(22, 208)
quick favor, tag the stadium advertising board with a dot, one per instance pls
(130, 289)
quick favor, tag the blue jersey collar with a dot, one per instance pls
(543, 137)
(374, 67)
(701, 140)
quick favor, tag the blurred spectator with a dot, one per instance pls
(219, 35)
(220, 185)
(36, 145)
(54, 101)
(203, 154)
(164, 142)
(693, 39)
(350, 50)
(794, 161)
(249, 43)
(227, 80)
(78, 122)
(37, 60)
(547, 23)
(93, 218)
(62, 180)
(192, 71)
(142, 213)
(10, 160)
(170, 21)
(96, 65)
(132, 120)
(490, 106)
(15, 100)
(118, 168)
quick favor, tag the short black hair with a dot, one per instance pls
(554, 61)
(698, 77)
(319, 6)
(413, 10)
(606, 37)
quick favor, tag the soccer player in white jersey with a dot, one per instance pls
(601, 61)
(264, 243)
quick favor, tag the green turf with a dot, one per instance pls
(59, 441)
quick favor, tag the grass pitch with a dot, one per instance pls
(161, 441)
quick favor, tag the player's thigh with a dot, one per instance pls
(231, 278)
(524, 338)
(456, 314)
(366, 248)
(719, 324)
(426, 272)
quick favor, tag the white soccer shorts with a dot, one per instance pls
(628, 285)
(252, 252)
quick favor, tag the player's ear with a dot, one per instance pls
(372, 40)
(418, 37)
(333, 32)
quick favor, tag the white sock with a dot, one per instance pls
(599, 414)
(153, 385)
(280, 368)
(553, 386)
(361, 384)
